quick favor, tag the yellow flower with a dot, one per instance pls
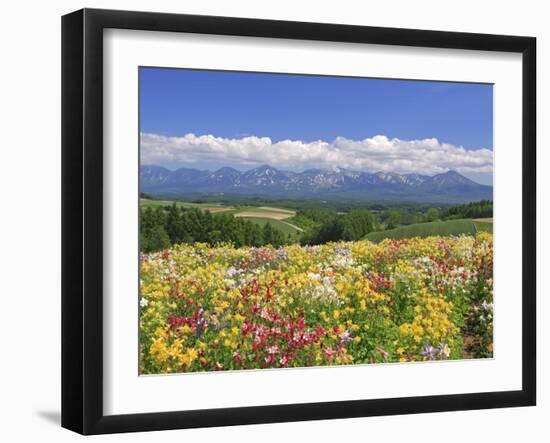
(380, 283)
(185, 329)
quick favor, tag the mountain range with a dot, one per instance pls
(265, 180)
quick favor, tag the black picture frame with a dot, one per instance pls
(82, 218)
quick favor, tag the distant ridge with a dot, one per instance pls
(266, 180)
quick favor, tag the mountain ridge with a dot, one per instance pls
(337, 182)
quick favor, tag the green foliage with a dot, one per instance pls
(321, 221)
(335, 227)
(432, 214)
(393, 219)
(480, 209)
(308, 219)
(279, 225)
(272, 236)
(443, 228)
(162, 226)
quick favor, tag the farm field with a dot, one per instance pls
(264, 213)
(210, 207)
(449, 227)
(256, 214)
(209, 308)
(275, 216)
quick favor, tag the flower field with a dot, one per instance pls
(208, 308)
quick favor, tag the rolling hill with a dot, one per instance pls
(443, 228)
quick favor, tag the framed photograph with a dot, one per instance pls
(269, 221)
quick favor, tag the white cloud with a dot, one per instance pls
(428, 156)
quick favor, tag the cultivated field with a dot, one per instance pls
(206, 308)
(256, 214)
(274, 216)
(268, 214)
(210, 207)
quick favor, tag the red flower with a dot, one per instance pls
(238, 358)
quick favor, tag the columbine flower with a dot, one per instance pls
(444, 350)
(231, 272)
(429, 351)
(345, 338)
(281, 254)
(329, 352)
(143, 302)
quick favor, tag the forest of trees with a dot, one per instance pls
(480, 209)
(160, 228)
(393, 217)
(333, 227)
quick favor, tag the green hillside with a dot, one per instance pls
(442, 228)
(277, 224)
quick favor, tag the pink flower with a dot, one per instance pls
(272, 350)
(320, 331)
(329, 353)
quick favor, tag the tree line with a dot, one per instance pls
(394, 217)
(334, 227)
(480, 209)
(160, 228)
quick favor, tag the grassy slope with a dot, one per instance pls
(483, 225)
(450, 227)
(277, 224)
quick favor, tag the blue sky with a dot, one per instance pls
(251, 108)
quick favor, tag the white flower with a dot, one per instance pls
(314, 276)
(143, 302)
(487, 306)
(231, 272)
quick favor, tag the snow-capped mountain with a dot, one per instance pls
(323, 183)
